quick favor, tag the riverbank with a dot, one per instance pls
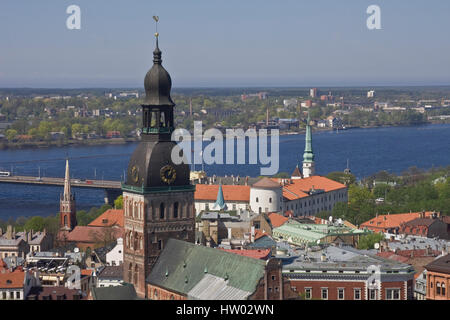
(4, 145)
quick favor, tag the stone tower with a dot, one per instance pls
(68, 212)
(158, 198)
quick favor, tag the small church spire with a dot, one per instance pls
(220, 202)
(67, 191)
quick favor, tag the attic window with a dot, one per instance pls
(8, 281)
(105, 221)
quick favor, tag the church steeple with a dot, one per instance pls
(68, 219)
(308, 155)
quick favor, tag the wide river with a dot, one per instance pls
(368, 151)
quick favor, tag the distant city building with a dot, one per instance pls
(370, 94)
(313, 93)
(390, 223)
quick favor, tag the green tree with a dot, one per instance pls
(36, 223)
(118, 203)
(368, 241)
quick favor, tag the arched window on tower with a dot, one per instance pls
(136, 275)
(130, 273)
(65, 220)
(175, 210)
(161, 210)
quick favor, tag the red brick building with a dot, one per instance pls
(438, 278)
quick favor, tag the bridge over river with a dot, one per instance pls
(113, 189)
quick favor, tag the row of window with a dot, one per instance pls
(135, 210)
(391, 294)
(440, 288)
(11, 295)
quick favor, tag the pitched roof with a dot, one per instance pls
(299, 188)
(111, 272)
(387, 221)
(125, 291)
(277, 219)
(215, 288)
(266, 183)
(420, 222)
(111, 217)
(296, 172)
(90, 234)
(182, 265)
(392, 256)
(230, 192)
(9, 280)
(251, 253)
(52, 293)
(440, 265)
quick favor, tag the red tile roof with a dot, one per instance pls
(230, 192)
(87, 272)
(277, 219)
(9, 280)
(299, 188)
(260, 234)
(251, 253)
(266, 183)
(111, 217)
(90, 234)
(389, 221)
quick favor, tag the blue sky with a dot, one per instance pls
(212, 43)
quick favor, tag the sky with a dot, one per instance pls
(225, 43)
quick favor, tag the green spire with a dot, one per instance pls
(220, 202)
(308, 156)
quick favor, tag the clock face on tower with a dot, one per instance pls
(168, 174)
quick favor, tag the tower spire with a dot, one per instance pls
(67, 193)
(308, 155)
(220, 201)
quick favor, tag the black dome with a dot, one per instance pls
(157, 83)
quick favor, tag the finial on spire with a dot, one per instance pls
(156, 18)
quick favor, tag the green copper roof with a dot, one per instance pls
(184, 260)
(308, 155)
(220, 202)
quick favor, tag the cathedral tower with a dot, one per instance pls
(158, 198)
(68, 218)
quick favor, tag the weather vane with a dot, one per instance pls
(156, 18)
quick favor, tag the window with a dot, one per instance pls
(257, 200)
(324, 293)
(175, 210)
(372, 294)
(155, 294)
(160, 246)
(438, 288)
(161, 211)
(392, 294)
(207, 206)
(273, 278)
(357, 294)
(443, 289)
(270, 201)
(308, 293)
(4, 295)
(341, 294)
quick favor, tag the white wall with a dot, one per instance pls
(262, 200)
(116, 254)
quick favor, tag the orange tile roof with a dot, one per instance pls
(299, 188)
(12, 279)
(260, 234)
(230, 192)
(111, 217)
(388, 221)
(251, 253)
(277, 219)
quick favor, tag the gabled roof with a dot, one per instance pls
(90, 234)
(440, 265)
(111, 217)
(52, 293)
(182, 265)
(10, 280)
(296, 173)
(111, 273)
(420, 222)
(209, 192)
(388, 221)
(277, 219)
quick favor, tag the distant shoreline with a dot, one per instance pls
(96, 142)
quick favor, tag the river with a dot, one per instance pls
(393, 149)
